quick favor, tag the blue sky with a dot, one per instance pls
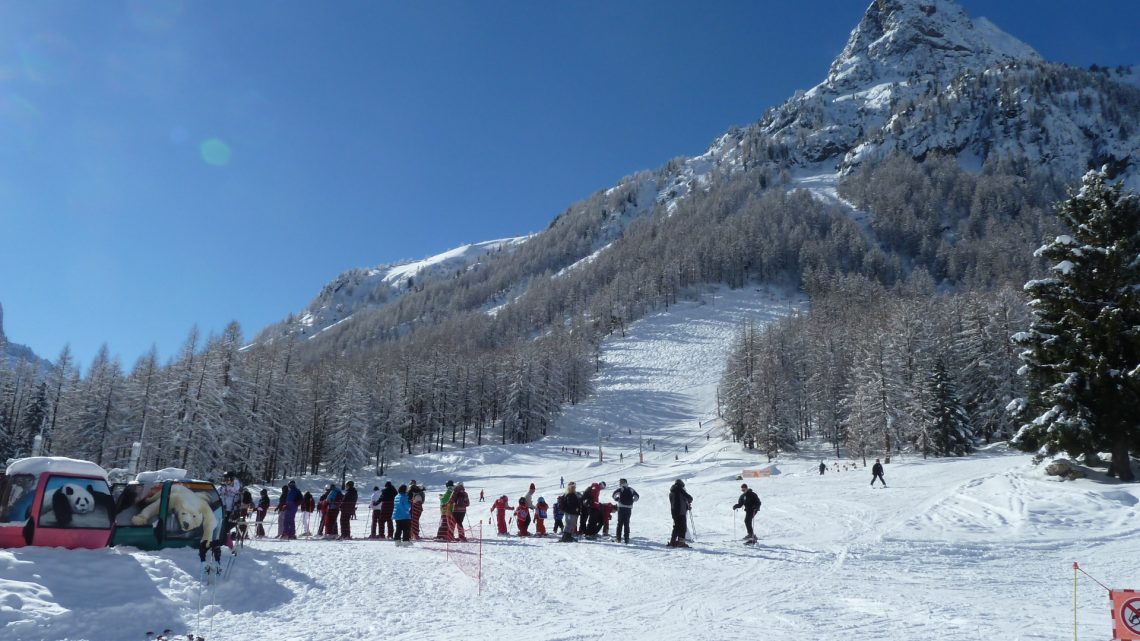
(169, 163)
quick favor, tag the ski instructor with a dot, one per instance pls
(679, 505)
(751, 504)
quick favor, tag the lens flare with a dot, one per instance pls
(19, 123)
(48, 58)
(215, 152)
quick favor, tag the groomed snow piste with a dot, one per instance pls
(973, 548)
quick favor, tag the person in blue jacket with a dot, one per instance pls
(402, 514)
(292, 503)
(332, 515)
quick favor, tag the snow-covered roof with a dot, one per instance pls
(55, 465)
(158, 476)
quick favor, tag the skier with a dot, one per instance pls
(589, 496)
(263, 504)
(522, 517)
(680, 502)
(231, 497)
(333, 511)
(530, 497)
(625, 496)
(308, 505)
(280, 509)
(822, 468)
(387, 502)
(402, 513)
(751, 503)
(570, 504)
(877, 473)
(374, 505)
(347, 509)
(244, 508)
(459, 504)
(417, 495)
(443, 533)
(323, 512)
(482, 499)
(499, 509)
(561, 482)
(540, 509)
(292, 503)
(558, 515)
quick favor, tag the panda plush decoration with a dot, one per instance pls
(69, 500)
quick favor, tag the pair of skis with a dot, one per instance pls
(167, 635)
(212, 572)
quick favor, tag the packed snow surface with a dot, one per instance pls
(972, 548)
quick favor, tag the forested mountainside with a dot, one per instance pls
(948, 139)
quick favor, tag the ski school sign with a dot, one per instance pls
(1125, 614)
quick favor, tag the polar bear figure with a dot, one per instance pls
(191, 509)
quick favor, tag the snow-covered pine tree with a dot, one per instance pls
(61, 381)
(948, 426)
(1082, 350)
(347, 441)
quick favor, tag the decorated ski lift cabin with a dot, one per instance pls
(55, 502)
(166, 509)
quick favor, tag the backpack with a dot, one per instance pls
(460, 500)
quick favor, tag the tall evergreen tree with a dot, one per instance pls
(949, 432)
(1082, 350)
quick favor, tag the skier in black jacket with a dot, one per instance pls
(679, 505)
(571, 504)
(877, 473)
(751, 503)
(347, 509)
(625, 496)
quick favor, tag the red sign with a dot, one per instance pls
(1125, 615)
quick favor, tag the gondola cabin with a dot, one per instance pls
(55, 502)
(165, 509)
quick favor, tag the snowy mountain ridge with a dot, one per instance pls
(16, 352)
(916, 76)
(383, 284)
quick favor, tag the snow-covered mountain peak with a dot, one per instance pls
(914, 40)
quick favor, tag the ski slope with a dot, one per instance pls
(973, 548)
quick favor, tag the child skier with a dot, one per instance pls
(500, 507)
(557, 517)
(540, 516)
(522, 517)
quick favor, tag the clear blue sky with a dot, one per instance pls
(167, 163)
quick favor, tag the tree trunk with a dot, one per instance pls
(1121, 463)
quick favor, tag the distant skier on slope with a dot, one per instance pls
(680, 502)
(877, 473)
(751, 503)
(822, 468)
